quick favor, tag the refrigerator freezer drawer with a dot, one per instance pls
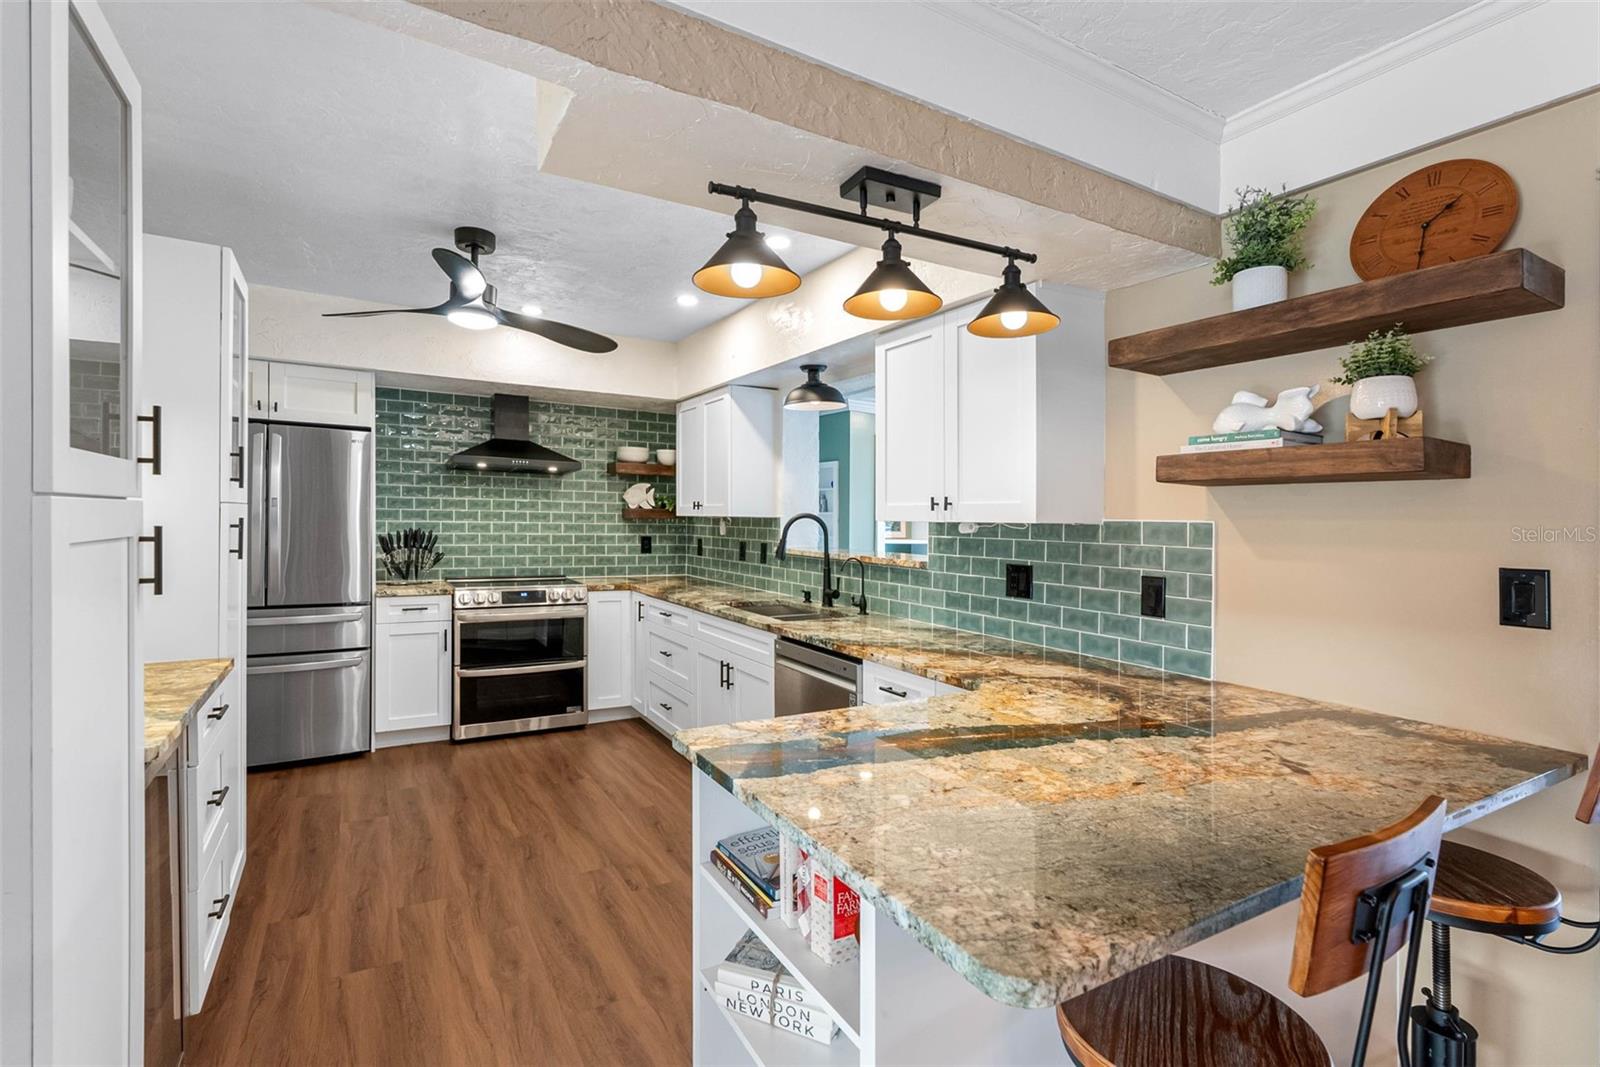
(281, 631)
(304, 707)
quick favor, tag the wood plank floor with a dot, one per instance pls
(523, 900)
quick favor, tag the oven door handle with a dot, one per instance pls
(538, 668)
(467, 618)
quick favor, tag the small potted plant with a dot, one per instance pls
(1264, 235)
(1381, 370)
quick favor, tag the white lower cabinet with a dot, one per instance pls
(609, 677)
(212, 833)
(885, 685)
(411, 660)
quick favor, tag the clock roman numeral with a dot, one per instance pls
(1481, 238)
(1405, 194)
(1369, 239)
(1435, 176)
(1493, 209)
(1372, 263)
(1377, 215)
(1490, 185)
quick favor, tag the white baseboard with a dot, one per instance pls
(395, 738)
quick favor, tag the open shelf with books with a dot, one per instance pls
(837, 986)
(771, 1047)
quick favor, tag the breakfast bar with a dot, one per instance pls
(1042, 835)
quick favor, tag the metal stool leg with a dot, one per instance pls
(1440, 1037)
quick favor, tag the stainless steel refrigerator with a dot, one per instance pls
(309, 639)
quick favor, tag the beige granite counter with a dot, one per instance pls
(173, 691)
(1072, 819)
(426, 588)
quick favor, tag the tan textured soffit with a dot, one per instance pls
(676, 51)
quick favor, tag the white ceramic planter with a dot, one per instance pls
(1373, 397)
(1260, 285)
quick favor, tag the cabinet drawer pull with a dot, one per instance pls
(216, 714)
(665, 614)
(237, 457)
(665, 653)
(933, 503)
(222, 906)
(640, 616)
(155, 539)
(892, 691)
(665, 706)
(422, 608)
(154, 419)
(947, 503)
(218, 796)
(238, 549)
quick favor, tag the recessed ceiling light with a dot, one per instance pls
(687, 300)
(778, 242)
(532, 309)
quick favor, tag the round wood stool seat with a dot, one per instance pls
(1477, 890)
(1181, 1011)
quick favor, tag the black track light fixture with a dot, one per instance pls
(892, 291)
(814, 394)
(1013, 311)
(746, 266)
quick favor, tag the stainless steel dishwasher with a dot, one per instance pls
(809, 679)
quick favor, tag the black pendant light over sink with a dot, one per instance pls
(745, 267)
(814, 394)
(472, 306)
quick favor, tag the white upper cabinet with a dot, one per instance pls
(728, 453)
(973, 429)
(235, 301)
(256, 373)
(327, 396)
(87, 253)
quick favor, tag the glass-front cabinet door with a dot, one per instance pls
(236, 343)
(86, 233)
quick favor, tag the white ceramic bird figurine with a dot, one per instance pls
(1250, 411)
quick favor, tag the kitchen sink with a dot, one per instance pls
(783, 611)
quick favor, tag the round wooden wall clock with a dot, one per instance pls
(1443, 213)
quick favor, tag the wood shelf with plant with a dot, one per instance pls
(648, 514)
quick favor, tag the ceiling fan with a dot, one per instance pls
(471, 304)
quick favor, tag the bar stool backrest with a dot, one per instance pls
(1590, 801)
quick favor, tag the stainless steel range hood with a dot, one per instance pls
(510, 449)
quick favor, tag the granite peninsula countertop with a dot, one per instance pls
(173, 690)
(428, 588)
(1069, 819)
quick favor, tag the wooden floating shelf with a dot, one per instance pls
(1497, 286)
(1398, 460)
(648, 514)
(642, 470)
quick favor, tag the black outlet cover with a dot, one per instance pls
(1019, 580)
(1152, 596)
(1524, 598)
(644, 544)
(741, 551)
(699, 546)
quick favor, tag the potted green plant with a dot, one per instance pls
(1381, 370)
(1264, 234)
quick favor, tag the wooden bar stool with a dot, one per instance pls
(1484, 893)
(1362, 900)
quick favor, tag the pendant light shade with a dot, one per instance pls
(891, 291)
(814, 394)
(1013, 311)
(746, 266)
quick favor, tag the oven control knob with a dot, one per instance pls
(480, 598)
(494, 597)
(562, 594)
(580, 594)
(463, 598)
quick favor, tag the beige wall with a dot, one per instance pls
(1382, 595)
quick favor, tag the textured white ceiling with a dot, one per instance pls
(331, 155)
(1226, 55)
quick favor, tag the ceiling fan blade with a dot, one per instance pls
(466, 277)
(439, 309)
(559, 332)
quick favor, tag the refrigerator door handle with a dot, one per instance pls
(258, 519)
(274, 509)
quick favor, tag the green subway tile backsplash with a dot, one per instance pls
(1085, 576)
(498, 524)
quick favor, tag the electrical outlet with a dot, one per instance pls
(644, 544)
(741, 552)
(763, 552)
(699, 546)
(1524, 598)
(1019, 580)
(1152, 596)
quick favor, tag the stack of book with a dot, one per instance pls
(754, 984)
(749, 861)
(1234, 442)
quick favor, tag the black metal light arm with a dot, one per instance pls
(745, 193)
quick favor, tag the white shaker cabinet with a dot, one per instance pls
(728, 453)
(974, 429)
(324, 396)
(611, 625)
(412, 687)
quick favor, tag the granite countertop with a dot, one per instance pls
(425, 588)
(173, 691)
(1070, 819)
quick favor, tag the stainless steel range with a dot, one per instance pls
(521, 650)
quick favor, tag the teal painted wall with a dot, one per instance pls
(833, 443)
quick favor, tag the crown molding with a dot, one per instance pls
(1389, 57)
(1015, 32)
